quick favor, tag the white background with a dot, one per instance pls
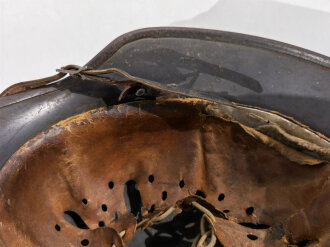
(38, 36)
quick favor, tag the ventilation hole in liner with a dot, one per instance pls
(151, 178)
(85, 242)
(164, 195)
(57, 227)
(111, 185)
(152, 208)
(252, 237)
(221, 197)
(104, 207)
(101, 224)
(249, 210)
(84, 201)
(181, 184)
(132, 197)
(200, 193)
(74, 219)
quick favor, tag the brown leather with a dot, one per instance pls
(247, 175)
(84, 73)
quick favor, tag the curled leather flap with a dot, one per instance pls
(291, 138)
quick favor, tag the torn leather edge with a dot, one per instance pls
(297, 143)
